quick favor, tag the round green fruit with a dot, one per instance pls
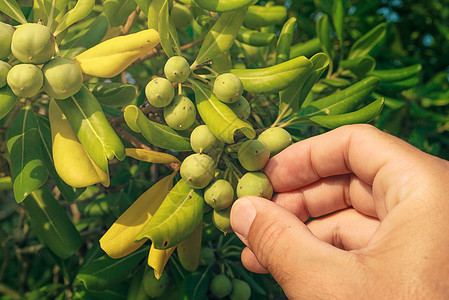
(181, 113)
(203, 140)
(155, 287)
(240, 290)
(4, 69)
(222, 219)
(219, 195)
(255, 184)
(253, 155)
(25, 80)
(180, 15)
(6, 33)
(228, 87)
(197, 170)
(276, 139)
(241, 108)
(33, 43)
(220, 286)
(177, 69)
(207, 256)
(62, 78)
(159, 92)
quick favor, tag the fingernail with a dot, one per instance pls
(242, 216)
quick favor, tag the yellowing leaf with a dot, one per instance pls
(157, 259)
(118, 241)
(151, 156)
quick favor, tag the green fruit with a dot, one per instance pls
(181, 113)
(253, 155)
(240, 290)
(197, 170)
(25, 80)
(62, 78)
(276, 139)
(159, 92)
(154, 287)
(177, 69)
(228, 88)
(255, 184)
(4, 69)
(241, 108)
(203, 140)
(219, 195)
(222, 219)
(6, 33)
(181, 16)
(221, 286)
(207, 256)
(33, 43)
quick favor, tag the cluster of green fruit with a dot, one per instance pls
(199, 169)
(30, 49)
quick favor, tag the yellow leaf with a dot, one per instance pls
(118, 241)
(157, 259)
(151, 156)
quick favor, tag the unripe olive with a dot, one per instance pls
(177, 69)
(228, 88)
(25, 80)
(207, 256)
(222, 219)
(253, 155)
(181, 15)
(241, 108)
(181, 113)
(6, 32)
(219, 195)
(4, 69)
(220, 286)
(276, 139)
(203, 140)
(62, 78)
(240, 290)
(197, 170)
(255, 184)
(33, 43)
(155, 287)
(159, 92)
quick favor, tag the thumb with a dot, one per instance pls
(283, 245)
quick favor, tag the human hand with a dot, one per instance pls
(380, 210)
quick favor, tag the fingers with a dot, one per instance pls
(282, 244)
(327, 196)
(346, 229)
(250, 262)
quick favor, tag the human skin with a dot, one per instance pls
(380, 210)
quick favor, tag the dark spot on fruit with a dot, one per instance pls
(165, 243)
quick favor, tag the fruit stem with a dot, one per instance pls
(211, 70)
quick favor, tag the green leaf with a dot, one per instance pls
(285, 41)
(275, 78)
(359, 66)
(254, 37)
(86, 38)
(92, 128)
(223, 5)
(338, 15)
(104, 272)
(144, 5)
(324, 5)
(263, 16)
(51, 223)
(7, 101)
(323, 33)
(219, 118)
(79, 12)
(153, 13)
(117, 11)
(48, 11)
(367, 42)
(113, 93)
(293, 97)
(245, 276)
(221, 36)
(306, 49)
(344, 100)
(69, 193)
(396, 86)
(157, 134)
(12, 9)
(27, 165)
(167, 32)
(397, 74)
(195, 285)
(177, 217)
(363, 115)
